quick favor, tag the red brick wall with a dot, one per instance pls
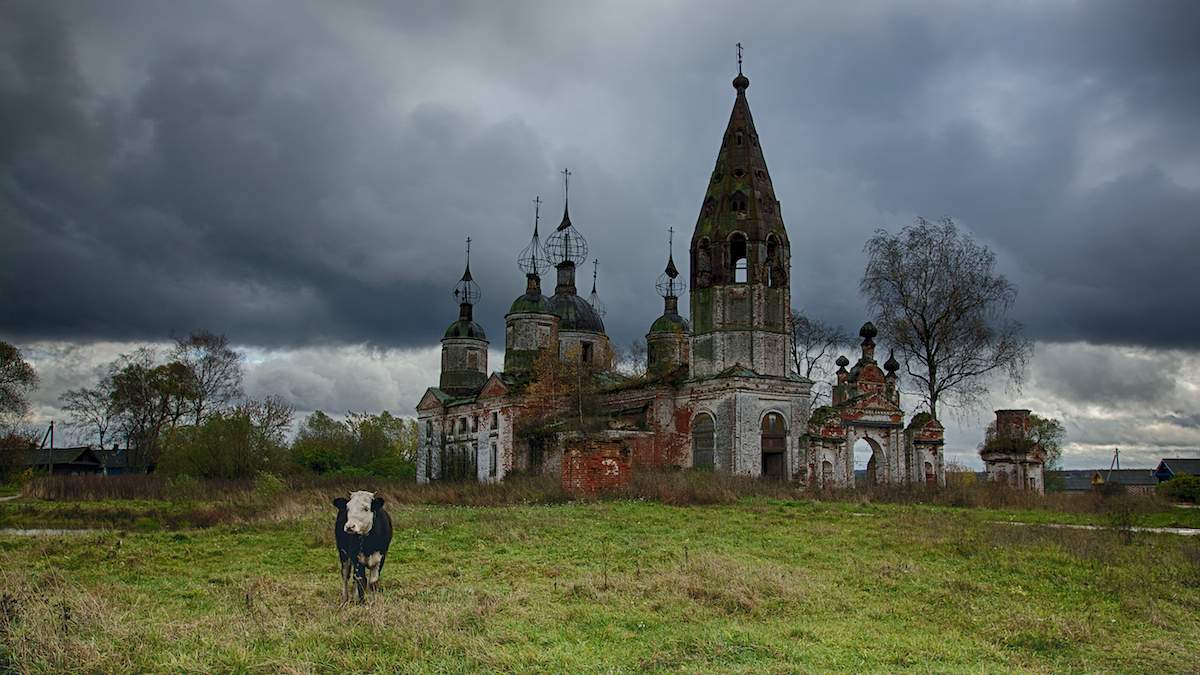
(591, 466)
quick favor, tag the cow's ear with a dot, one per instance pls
(340, 502)
(377, 503)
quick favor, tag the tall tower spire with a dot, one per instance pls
(464, 345)
(740, 257)
(466, 291)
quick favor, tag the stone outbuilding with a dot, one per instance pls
(1011, 456)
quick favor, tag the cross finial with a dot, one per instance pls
(468, 250)
(595, 272)
(739, 53)
(566, 183)
(671, 237)
(537, 212)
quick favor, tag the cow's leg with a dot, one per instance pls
(379, 571)
(374, 567)
(360, 581)
(347, 568)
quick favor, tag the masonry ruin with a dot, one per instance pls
(719, 392)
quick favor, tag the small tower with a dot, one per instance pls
(1012, 455)
(464, 346)
(580, 330)
(530, 325)
(667, 341)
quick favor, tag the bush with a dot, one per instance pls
(268, 485)
(227, 445)
(1184, 488)
(392, 467)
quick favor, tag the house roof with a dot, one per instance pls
(83, 455)
(1178, 465)
(1082, 480)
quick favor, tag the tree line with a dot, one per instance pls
(185, 413)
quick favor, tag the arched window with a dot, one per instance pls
(774, 442)
(773, 278)
(737, 201)
(826, 474)
(931, 476)
(737, 255)
(703, 432)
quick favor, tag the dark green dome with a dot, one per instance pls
(575, 313)
(530, 303)
(465, 329)
(670, 323)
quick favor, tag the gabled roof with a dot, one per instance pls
(433, 398)
(1178, 465)
(79, 456)
(495, 386)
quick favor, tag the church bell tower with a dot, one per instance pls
(740, 260)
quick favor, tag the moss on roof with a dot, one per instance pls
(465, 329)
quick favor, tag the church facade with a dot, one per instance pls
(719, 391)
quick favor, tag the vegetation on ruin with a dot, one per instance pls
(772, 581)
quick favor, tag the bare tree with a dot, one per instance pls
(17, 379)
(91, 409)
(942, 304)
(216, 371)
(271, 416)
(814, 346)
(632, 359)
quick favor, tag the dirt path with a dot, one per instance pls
(1182, 531)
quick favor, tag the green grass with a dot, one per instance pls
(760, 585)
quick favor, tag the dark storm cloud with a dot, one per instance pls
(299, 173)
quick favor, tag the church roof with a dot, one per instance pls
(575, 313)
(465, 329)
(740, 196)
(530, 303)
(670, 323)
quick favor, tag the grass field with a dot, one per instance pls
(758, 585)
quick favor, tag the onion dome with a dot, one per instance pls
(532, 259)
(575, 313)
(842, 361)
(467, 292)
(868, 331)
(891, 365)
(565, 244)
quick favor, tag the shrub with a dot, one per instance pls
(1185, 488)
(268, 485)
(227, 445)
(392, 467)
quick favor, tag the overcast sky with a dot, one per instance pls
(301, 176)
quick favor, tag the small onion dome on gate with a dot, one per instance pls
(575, 313)
(842, 361)
(891, 365)
(868, 331)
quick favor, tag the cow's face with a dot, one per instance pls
(360, 511)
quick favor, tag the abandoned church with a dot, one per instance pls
(719, 391)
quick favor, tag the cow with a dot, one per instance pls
(363, 531)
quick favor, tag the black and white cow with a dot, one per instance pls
(363, 531)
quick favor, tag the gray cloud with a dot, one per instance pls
(306, 176)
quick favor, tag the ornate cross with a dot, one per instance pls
(739, 51)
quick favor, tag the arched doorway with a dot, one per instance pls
(867, 457)
(774, 445)
(703, 431)
(930, 475)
